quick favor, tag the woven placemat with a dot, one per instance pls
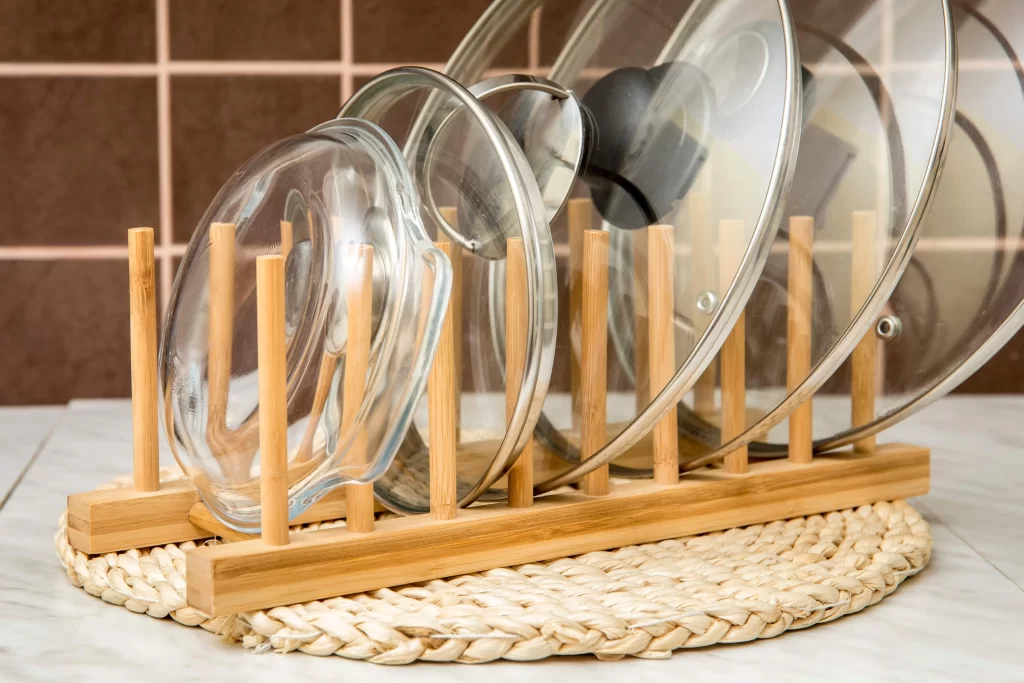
(644, 601)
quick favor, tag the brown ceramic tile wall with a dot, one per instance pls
(116, 113)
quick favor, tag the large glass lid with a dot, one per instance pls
(878, 90)
(962, 296)
(689, 107)
(474, 180)
(365, 291)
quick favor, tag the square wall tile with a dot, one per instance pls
(79, 163)
(425, 31)
(255, 29)
(1002, 374)
(217, 123)
(69, 326)
(79, 31)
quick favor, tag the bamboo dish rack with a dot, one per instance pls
(278, 568)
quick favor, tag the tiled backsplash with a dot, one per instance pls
(117, 113)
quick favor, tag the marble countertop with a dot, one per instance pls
(961, 619)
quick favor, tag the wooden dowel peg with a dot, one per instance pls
(798, 334)
(731, 245)
(287, 239)
(142, 290)
(702, 278)
(580, 218)
(594, 357)
(324, 382)
(863, 360)
(221, 322)
(662, 345)
(641, 312)
(359, 301)
(441, 393)
(451, 214)
(273, 400)
(520, 477)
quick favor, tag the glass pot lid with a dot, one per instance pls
(473, 180)
(702, 111)
(878, 83)
(962, 296)
(339, 204)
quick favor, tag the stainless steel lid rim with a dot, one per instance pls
(743, 283)
(540, 299)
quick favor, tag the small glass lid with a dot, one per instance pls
(878, 90)
(962, 296)
(339, 204)
(477, 193)
(702, 111)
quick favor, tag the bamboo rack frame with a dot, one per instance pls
(281, 568)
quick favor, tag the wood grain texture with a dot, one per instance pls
(863, 359)
(331, 507)
(324, 382)
(702, 278)
(120, 519)
(273, 400)
(233, 577)
(641, 314)
(798, 333)
(441, 414)
(517, 312)
(731, 245)
(580, 218)
(594, 358)
(359, 302)
(287, 240)
(142, 326)
(451, 214)
(662, 346)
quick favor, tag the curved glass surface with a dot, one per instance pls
(701, 115)
(961, 297)
(878, 86)
(470, 174)
(336, 202)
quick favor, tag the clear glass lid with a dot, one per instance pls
(479, 196)
(365, 291)
(692, 115)
(962, 296)
(878, 90)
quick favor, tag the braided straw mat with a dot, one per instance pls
(644, 601)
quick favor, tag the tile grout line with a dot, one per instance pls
(163, 124)
(35, 456)
(952, 530)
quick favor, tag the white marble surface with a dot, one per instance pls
(22, 432)
(961, 619)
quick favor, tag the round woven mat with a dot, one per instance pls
(644, 601)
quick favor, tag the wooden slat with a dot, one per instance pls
(234, 577)
(520, 477)
(359, 302)
(731, 245)
(798, 333)
(662, 341)
(863, 358)
(142, 296)
(273, 400)
(594, 357)
(441, 396)
(702, 278)
(580, 218)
